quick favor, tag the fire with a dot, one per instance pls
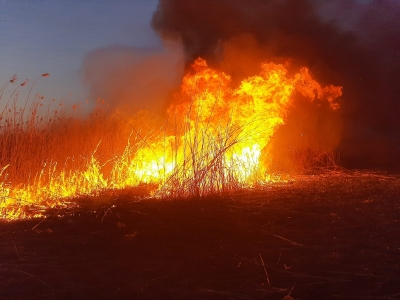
(213, 141)
(223, 131)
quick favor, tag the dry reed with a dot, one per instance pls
(52, 151)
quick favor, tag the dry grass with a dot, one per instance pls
(53, 151)
(41, 135)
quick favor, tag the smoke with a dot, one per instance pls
(134, 79)
(350, 43)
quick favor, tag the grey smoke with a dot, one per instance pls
(133, 78)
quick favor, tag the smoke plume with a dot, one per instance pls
(350, 43)
(133, 78)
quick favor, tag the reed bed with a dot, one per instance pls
(52, 153)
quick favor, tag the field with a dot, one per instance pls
(318, 237)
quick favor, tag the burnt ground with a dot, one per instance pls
(325, 237)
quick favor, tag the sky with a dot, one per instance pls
(50, 36)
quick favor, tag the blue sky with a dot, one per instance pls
(52, 36)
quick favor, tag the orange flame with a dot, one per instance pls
(213, 142)
(214, 119)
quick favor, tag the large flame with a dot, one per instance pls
(212, 142)
(216, 127)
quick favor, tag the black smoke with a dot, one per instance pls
(350, 43)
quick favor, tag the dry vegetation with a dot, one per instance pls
(51, 152)
(54, 150)
(319, 237)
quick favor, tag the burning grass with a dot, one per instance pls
(212, 141)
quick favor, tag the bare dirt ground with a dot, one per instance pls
(321, 237)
